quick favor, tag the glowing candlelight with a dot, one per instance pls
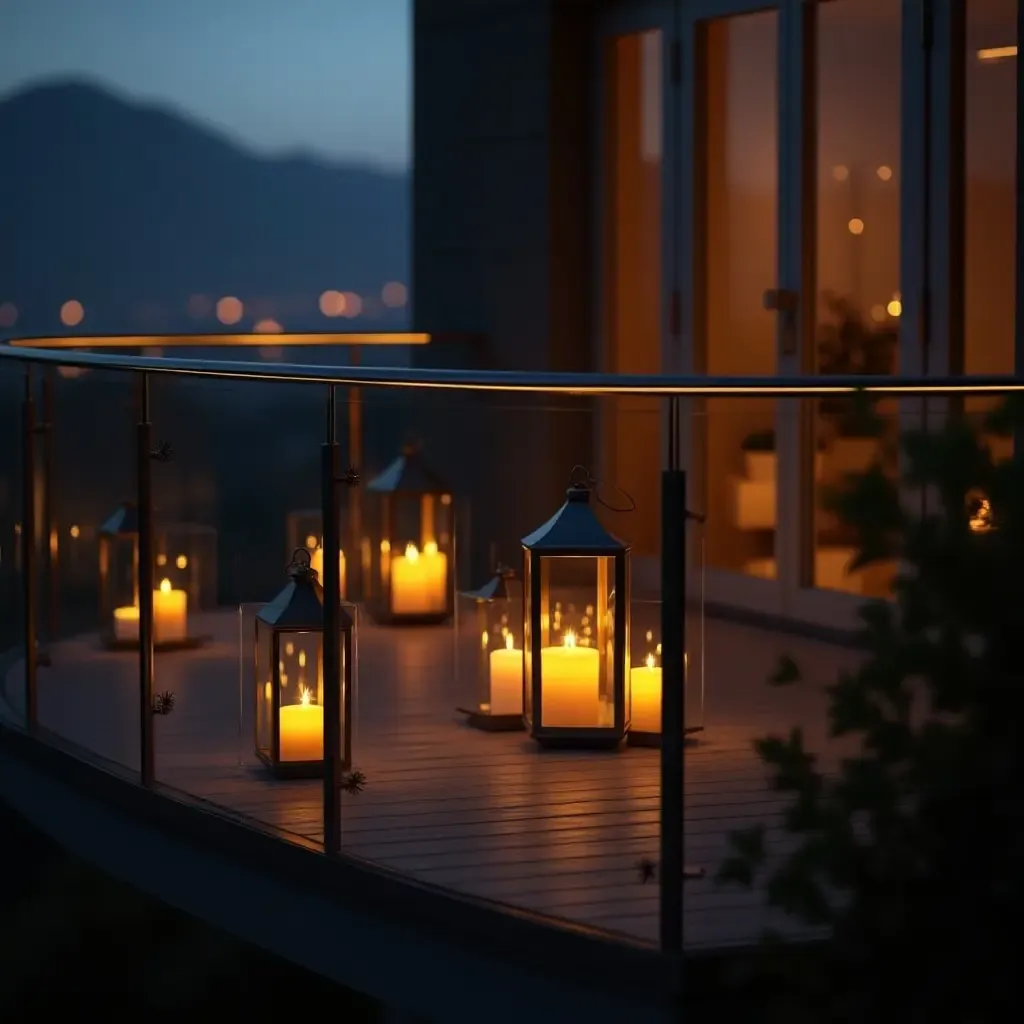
(302, 730)
(506, 668)
(570, 677)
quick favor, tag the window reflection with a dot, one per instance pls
(858, 300)
(738, 198)
(990, 199)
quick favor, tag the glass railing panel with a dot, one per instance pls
(12, 689)
(88, 691)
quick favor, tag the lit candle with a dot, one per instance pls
(506, 668)
(170, 613)
(645, 684)
(316, 560)
(126, 623)
(302, 730)
(419, 582)
(570, 677)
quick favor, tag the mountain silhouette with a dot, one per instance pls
(126, 206)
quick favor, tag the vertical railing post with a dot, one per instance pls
(50, 545)
(144, 502)
(333, 697)
(354, 560)
(29, 580)
(673, 702)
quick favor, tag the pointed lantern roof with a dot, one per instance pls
(574, 528)
(122, 522)
(408, 474)
(300, 605)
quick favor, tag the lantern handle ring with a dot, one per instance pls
(580, 476)
(301, 565)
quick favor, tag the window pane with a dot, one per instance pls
(858, 260)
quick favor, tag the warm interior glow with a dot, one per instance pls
(894, 308)
(649, 661)
(569, 639)
(165, 586)
(510, 644)
(74, 531)
(430, 548)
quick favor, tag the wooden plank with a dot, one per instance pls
(490, 815)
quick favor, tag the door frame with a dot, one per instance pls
(612, 21)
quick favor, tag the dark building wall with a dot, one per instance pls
(501, 243)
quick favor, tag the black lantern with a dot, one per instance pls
(576, 618)
(184, 578)
(412, 554)
(489, 652)
(289, 676)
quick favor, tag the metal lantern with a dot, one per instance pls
(184, 578)
(289, 676)
(489, 651)
(303, 530)
(411, 556)
(576, 618)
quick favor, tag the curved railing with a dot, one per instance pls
(227, 477)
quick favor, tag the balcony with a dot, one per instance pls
(493, 828)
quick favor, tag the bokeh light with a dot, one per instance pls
(229, 310)
(72, 313)
(394, 294)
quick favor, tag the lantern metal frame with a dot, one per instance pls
(304, 529)
(574, 531)
(405, 480)
(122, 528)
(299, 610)
(496, 589)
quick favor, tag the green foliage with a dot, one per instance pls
(912, 854)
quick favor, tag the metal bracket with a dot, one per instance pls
(351, 477)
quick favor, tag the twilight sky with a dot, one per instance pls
(325, 75)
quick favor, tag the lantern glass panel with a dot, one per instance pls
(645, 653)
(412, 560)
(265, 680)
(303, 530)
(527, 642)
(186, 556)
(489, 651)
(119, 586)
(578, 646)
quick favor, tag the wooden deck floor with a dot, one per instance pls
(485, 814)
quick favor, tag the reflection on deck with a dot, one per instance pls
(490, 815)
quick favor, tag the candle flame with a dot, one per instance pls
(430, 548)
(509, 643)
(305, 697)
(569, 640)
(165, 586)
(649, 661)
(411, 552)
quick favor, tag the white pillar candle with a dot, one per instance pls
(419, 582)
(645, 694)
(170, 614)
(570, 684)
(316, 561)
(302, 730)
(506, 676)
(126, 623)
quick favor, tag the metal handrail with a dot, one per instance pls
(544, 382)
